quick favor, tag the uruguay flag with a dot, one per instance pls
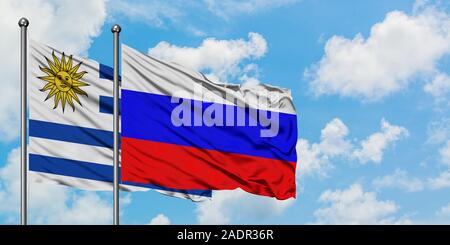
(181, 130)
(70, 123)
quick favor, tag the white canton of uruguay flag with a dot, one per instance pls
(70, 123)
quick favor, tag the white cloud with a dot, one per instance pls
(439, 131)
(314, 159)
(85, 208)
(69, 25)
(311, 160)
(439, 134)
(444, 211)
(445, 153)
(160, 219)
(373, 147)
(49, 203)
(205, 58)
(354, 206)
(229, 8)
(439, 86)
(332, 138)
(178, 13)
(399, 179)
(397, 49)
(228, 207)
(154, 13)
(441, 181)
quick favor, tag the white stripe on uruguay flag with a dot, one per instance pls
(70, 127)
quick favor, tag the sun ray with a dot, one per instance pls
(77, 83)
(52, 66)
(74, 96)
(52, 92)
(47, 70)
(79, 91)
(77, 76)
(63, 62)
(56, 60)
(69, 63)
(69, 100)
(47, 87)
(57, 98)
(74, 69)
(63, 100)
(50, 79)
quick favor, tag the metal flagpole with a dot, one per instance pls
(23, 23)
(116, 30)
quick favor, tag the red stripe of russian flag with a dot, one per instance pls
(185, 167)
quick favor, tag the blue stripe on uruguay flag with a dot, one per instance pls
(107, 104)
(107, 72)
(69, 133)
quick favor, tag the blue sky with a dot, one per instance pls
(370, 82)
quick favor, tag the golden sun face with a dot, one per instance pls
(63, 81)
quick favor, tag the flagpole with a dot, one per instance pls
(23, 23)
(116, 30)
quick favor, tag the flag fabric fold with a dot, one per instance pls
(181, 130)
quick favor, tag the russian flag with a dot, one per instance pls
(181, 130)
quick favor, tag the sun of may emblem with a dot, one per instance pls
(63, 81)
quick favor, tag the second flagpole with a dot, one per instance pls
(116, 30)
